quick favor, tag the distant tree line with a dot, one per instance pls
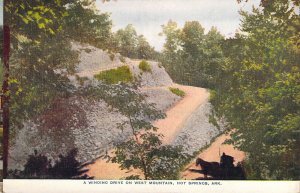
(190, 56)
(128, 43)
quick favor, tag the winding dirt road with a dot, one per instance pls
(169, 127)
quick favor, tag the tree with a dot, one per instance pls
(127, 41)
(260, 95)
(172, 33)
(144, 50)
(213, 59)
(147, 154)
(86, 24)
(42, 58)
(39, 68)
(172, 51)
(34, 19)
(192, 36)
(193, 53)
(191, 56)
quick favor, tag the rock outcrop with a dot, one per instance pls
(91, 126)
(78, 122)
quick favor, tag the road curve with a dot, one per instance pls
(169, 127)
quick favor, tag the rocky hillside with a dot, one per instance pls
(90, 125)
(78, 122)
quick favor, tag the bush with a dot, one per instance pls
(213, 94)
(145, 66)
(39, 166)
(114, 76)
(177, 91)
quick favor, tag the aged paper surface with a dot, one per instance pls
(134, 95)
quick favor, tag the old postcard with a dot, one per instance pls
(175, 95)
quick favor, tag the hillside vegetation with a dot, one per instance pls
(113, 76)
(177, 91)
(144, 66)
(254, 78)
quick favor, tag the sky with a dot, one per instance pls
(148, 15)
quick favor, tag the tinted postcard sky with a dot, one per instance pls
(148, 15)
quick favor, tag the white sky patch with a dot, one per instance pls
(147, 16)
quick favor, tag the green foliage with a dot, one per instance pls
(114, 76)
(144, 49)
(158, 162)
(78, 19)
(145, 66)
(254, 80)
(37, 69)
(190, 56)
(259, 92)
(41, 55)
(86, 25)
(128, 43)
(177, 91)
